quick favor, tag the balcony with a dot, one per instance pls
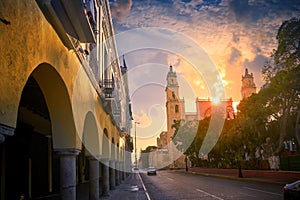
(72, 17)
(108, 88)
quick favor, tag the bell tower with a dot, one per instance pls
(248, 85)
(174, 106)
(172, 83)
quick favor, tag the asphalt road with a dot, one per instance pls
(173, 185)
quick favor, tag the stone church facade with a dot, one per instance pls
(175, 110)
(248, 85)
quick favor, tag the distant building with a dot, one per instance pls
(190, 116)
(162, 140)
(147, 161)
(248, 85)
(204, 108)
(174, 105)
(175, 109)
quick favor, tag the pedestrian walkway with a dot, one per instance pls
(130, 189)
(264, 176)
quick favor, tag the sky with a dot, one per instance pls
(233, 34)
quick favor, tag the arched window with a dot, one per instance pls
(176, 108)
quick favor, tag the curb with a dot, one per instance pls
(240, 179)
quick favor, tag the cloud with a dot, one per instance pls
(235, 34)
(192, 84)
(235, 55)
(257, 63)
(251, 11)
(235, 38)
(120, 8)
(144, 56)
(255, 67)
(241, 9)
(142, 117)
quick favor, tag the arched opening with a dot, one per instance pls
(104, 166)
(90, 148)
(82, 166)
(44, 124)
(31, 169)
(90, 137)
(113, 149)
(229, 112)
(176, 108)
(118, 152)
(60, 110)
(105, 144)
(112, 165)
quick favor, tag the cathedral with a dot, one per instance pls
(248, 85)
(175, 108)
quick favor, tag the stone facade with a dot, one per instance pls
(205, 106)
(248, 85)
(174, 105)
(175, 109)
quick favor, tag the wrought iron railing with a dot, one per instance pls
(108, 88)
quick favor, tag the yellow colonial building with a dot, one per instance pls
(64, 106)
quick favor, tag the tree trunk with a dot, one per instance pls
(240, 175)
(283, 124)
(298, 127)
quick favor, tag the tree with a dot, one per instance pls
(287, 55)
(184, 136)
(188, 137)
(283, 79)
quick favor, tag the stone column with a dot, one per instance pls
(120, 172)
(68, 173)
(2, 172)
(105, 177)
(112, 174)
(123, 171)
(117, 173)
(100, 178)
(127, 163)
(94, 178)
(2, 138)
(5, 130)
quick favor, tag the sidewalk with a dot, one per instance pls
(130, 189)
(263, 176)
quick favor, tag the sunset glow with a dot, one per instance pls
(235, 35)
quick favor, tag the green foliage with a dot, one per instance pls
(281, 93)
(184, 136)
(287, 54)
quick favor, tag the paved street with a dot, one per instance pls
(180, 185)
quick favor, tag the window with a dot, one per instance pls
(176, 108)
(173, 94)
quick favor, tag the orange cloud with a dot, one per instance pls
(120, 8)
